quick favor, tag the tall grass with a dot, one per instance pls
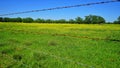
(33, 45)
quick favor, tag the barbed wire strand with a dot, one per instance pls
(63, 7)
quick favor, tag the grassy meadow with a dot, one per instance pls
(33, 45)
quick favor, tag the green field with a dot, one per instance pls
(35, 45)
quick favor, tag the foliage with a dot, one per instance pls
(61, 21)
(27, 20)
(79, 20)
(39, 20)
(117, 21)
(93, 19)
(72, 21)
(90, 19)
(49, 21)
(6, 19)
(1, 19)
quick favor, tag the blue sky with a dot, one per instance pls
(109, 11)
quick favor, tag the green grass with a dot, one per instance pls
(35, 45)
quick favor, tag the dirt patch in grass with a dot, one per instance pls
(26, 32)
(18, 48)
(1, 28)
(52, 43)
(39, 56)
(114, 40)
(3, 44)
(67, 35)
(17, 57)
(28, 43)
(7, 51)
(13, 41)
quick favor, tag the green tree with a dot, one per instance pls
(39, 20)
(118, 18)
(1, 19)
(93, 19)
(117, 21)
(71, 21)
(79, 20)
(61, 21)
(87, 19)
(49, 21)
(109, 22)
(27, 20)
(18, 19)
(6, 19)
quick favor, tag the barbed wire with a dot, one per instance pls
(79, 5)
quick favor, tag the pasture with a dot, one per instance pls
(33, 45)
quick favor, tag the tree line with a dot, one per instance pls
(90, 19)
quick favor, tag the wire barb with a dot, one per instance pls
(79, 5)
